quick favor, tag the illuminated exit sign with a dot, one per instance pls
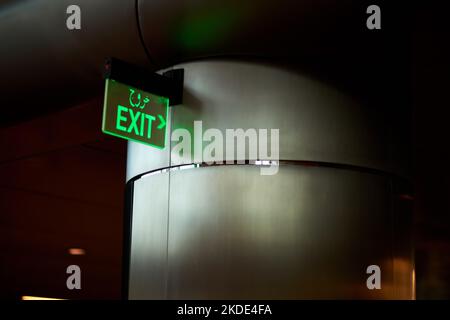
(136, 103)
(135, 114)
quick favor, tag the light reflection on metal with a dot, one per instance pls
(165, 170)
(404, 278)
(198, 165)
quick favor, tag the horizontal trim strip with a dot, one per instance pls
(304, 163)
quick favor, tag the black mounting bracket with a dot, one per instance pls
(169, 84)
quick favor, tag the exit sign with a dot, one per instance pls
(135, 114)
(136, 103)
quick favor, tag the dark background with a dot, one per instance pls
(62, 184)
(62, 180)
(431, 155)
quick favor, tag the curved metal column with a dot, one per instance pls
(306, 232)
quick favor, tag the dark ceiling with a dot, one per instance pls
(46, 67)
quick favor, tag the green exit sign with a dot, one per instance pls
(134, 114)
(136, 104)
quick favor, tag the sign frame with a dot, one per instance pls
(167, 89)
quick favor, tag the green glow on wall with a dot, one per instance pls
(134, 114)
(207, 27)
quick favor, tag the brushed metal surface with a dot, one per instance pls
(306, 232)
(148, 262)
(142, 158)
(316, 121)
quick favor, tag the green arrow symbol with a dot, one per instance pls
(162, 123)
